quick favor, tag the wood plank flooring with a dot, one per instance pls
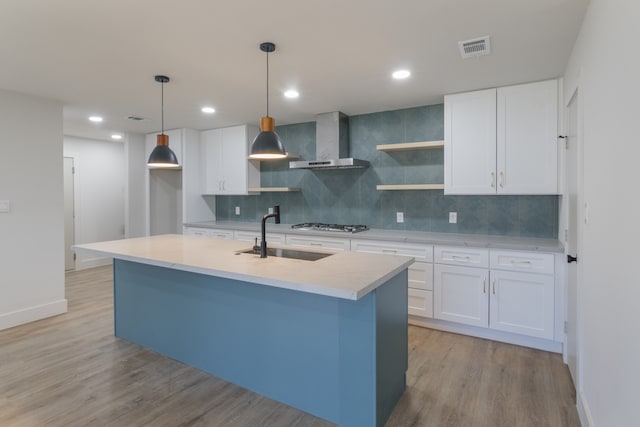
(70, 370)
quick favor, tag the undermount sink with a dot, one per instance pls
(288, 253)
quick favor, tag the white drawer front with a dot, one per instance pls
(319, 242)
(251, 236)
(421, 276)
(469, 257)
(192, 231)
(419, 252)
(532, 262)
(220, 234)
(420, 303)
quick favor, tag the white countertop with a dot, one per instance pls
(420, 237)
(348, 275)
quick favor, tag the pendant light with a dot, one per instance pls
(162, 156)
(267, 144)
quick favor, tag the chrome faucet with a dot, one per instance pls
(263, 243)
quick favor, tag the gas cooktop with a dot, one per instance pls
(318, 226)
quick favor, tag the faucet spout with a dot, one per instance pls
(263, 243)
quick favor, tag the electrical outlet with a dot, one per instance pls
(399, 217)
(237, 210)
(270, 211)
(453, 217)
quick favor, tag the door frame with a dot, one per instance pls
(69, 210)
(577, 216)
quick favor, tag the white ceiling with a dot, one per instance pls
(100, 57)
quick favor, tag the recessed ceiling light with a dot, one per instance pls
(95, 119)
(401, 74)
(208, 110)
(291, 93)
(116, 136)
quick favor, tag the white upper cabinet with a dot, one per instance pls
(470, 143)
(502, 141)
(527, 138)
(226, 168)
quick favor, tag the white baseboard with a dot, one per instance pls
(83, 264)
(583, 411)
(490, 334)
(31, 314)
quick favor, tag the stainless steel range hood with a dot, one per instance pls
(332, 145)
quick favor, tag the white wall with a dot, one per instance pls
(99, 180)
(135, 211)
(32, 233)
(605, 66)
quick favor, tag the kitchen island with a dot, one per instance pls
(328, 337)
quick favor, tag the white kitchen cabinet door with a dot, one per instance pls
(227, 168)
(522, 303)
(527, 138)
(470, 143)
(420, 302)
(460, 294)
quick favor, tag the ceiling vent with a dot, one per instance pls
(475, 47)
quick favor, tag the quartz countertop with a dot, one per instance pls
(420, 237)
(347, 275)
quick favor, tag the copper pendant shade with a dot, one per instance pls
(162, 156)
(267, 144)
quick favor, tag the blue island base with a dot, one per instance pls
(341, 360)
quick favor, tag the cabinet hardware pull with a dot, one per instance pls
(501, 179)
(389, 251)
(315, 244)
(513, 261)
(493, 179)
(484, 285)
(461, 258)
(494, 286)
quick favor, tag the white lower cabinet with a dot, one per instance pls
(508, 291)
(420, 285)
(216, 233)
(461, 294)
(335, 243)
(522, 293)
(251, 236)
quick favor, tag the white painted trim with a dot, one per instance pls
(490, 334)
(31, 314)
(586, 420)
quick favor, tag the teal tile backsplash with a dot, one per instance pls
(349, 196)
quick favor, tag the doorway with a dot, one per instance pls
(574, 236)
(69, 215)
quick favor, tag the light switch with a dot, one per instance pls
(5, 206)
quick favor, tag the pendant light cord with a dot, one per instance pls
(162, 104)
(267, 84)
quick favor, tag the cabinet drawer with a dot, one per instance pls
(420, 302)
(251, 236)
(421, 276)
(319, 242)
(532, 262)
(193, 231)
(419, 252)
(220, 234)
(469, 257)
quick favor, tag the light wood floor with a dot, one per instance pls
(70, 370)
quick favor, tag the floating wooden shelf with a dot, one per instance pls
(290, 156)
(273, 189)
(407, 146)
(410, 187)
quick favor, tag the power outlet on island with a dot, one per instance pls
(270, 211)
(399, 217)
(453, 217)
(237, 210)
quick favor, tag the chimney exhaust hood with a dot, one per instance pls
(332, 145)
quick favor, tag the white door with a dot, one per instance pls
(470, 143)
(574, 233)
(522, 303)
(69, 216)
(460, 294)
